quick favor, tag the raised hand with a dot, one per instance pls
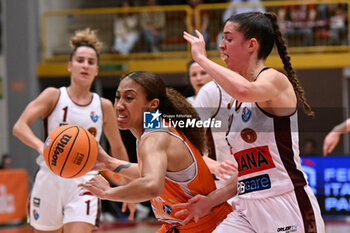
(330, 142)
(197, 44)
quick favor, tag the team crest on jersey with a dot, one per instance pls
(93, 131)
(253, 160)
(93, 116)
(167, 209)
(249, 135)
(35, 214)
(246, 114)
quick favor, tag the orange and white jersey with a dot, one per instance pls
(180, 186)
(266, 148)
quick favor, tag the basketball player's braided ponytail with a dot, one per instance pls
(283, 53)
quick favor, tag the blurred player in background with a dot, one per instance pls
(198, 77)
(56, 204)
(212, 102)
(332, 138)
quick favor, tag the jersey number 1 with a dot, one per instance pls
(65, 110)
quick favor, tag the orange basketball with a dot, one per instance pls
(70, 151)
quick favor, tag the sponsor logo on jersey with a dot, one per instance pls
(253, 184)
(60, 148)
(246, 114)
(167, 209)
(93, 117)
(248, 135)
(36, 202)
(254, 160)
(288, 229)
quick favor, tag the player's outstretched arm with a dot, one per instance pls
(200, 205)
(332, 138)
(149, 184)
(121, 167)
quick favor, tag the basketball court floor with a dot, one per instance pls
(151, 226)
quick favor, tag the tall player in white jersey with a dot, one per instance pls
(273, 194)
(56, 204)
(213, 102)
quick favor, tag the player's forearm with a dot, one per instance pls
(233, 83)
(138, 190)
(344, 127)
(124, 168)
(120, 152)
(223, 194)
(24, 133)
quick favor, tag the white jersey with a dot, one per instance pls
(211, 101)
(191, 99)
(51, 206)
(67, 112)
(266, 148)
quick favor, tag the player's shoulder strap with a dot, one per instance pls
(220, 99)
(209, 135)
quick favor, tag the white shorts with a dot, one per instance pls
(280, 214)
(55, 201)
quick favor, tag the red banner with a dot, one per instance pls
(13, 195)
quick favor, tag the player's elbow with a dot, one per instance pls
(242, 94)
(16, 129)
(153, 189)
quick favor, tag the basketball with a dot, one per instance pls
(70, 151)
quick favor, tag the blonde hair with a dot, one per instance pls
(86, 37)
